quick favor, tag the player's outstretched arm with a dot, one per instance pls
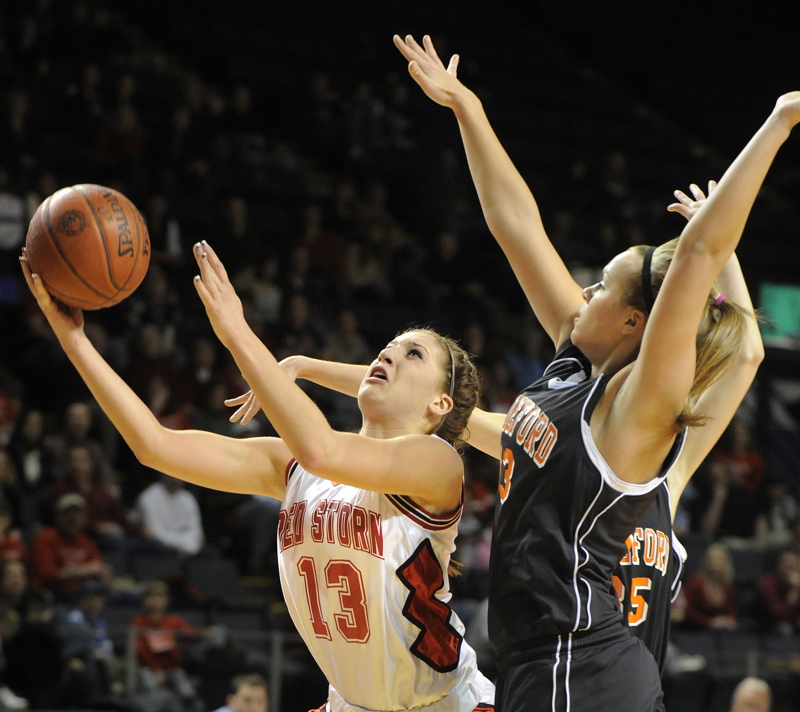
(341, 377)
(248, 466)
(653, 395)
(508, 205)
(723, 397)
(483, 429)
(397, 465)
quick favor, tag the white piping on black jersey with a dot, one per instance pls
(586, 560)
(567, 671)
(677, 547)
(576, 566)
(559, 384)
(566, 677)
(624, 488)
(581, 373)
(609, 476)
(555, 675)
(675, 587)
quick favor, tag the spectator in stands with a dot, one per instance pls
(106, 520)
(710, 600)
(14, 599)
(779, 594)
(781, 512)
(738, 451)
(31, 461)
(260, 284)
(161, 399)
(77, 429)
(527, 357)
(299, 333)
(169, 513)
(35, 665)
(751, 695)
(14, 594)
(8, 488)
(346, 344)
(11, 545)
(158, 649)
(87, 639)
(248, 694)
(205, 365)
(731, 511)
(63, 556)
(256, 523)
(153, 352)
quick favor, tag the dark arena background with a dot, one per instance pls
(290, 136)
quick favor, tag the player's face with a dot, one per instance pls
(408, 374)
(598, 326)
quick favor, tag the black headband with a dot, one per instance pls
(647, 285)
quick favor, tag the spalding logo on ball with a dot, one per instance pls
(90, 246)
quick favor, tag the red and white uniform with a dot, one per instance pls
(364, 576)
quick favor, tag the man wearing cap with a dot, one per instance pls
(63, 556)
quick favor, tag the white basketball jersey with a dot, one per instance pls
(364, 576)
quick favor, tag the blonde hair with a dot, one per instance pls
(719, 336)
(721, 549)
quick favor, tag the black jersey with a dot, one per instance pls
(648, 578)
(563, 516)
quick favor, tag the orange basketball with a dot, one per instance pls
(90, 246)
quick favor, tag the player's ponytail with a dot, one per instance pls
(719, 336)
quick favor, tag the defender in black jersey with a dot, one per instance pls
(585, 447)
(648, 578)
(560, 529)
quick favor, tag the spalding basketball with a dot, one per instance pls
(90, 246)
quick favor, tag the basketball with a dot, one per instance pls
(90, 246)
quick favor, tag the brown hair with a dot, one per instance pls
(719, 336)
(459, 370)
(155, 588)
(252, 679)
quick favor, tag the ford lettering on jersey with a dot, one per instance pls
(649, 547)
(532, 429)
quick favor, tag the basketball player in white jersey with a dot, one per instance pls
(368, 520)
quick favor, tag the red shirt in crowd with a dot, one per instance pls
(700, 610)
(157, 647)
(51, 551)
(13, 549)
(776, 598)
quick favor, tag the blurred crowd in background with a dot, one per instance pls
(342, 206)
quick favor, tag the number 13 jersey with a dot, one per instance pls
(364, 576)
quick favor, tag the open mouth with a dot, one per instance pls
(379, 373)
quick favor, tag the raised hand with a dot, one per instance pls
(248, 407)
(223, 306)
(439, 83)
(248, 403)
(688, 207)
(64, 320)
